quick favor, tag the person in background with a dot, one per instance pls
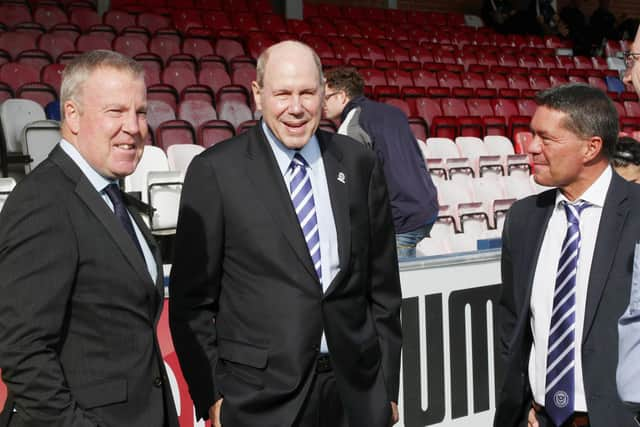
(566, 270)
(632, 63)
(385, 129)
(626, 159)
(285, 291)
(81, 288)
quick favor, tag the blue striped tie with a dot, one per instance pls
(302, 197)
(560, 379)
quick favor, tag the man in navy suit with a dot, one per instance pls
(566, 270)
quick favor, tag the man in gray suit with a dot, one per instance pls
(81, 284)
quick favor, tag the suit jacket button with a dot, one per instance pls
(157, 381)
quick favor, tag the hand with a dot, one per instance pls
(532, 421)
(214, 413)
(395, 415)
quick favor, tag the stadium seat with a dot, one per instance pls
(495, 81)
(448, 79)
(129, 45)
(6, 187)
(163, 92)
(214, 131)
(196, 112)
(15, 42)
(526, 107)
(38, 138)
(14, 115)
(49, 15)
(174, 132)
(229, 48)
(41, 93)
(14, 13)
(179, 156)
(84, 17)
(164, 47)
(92, 41)
(159, 111)
(152, 21)
(16, 75)
(179, 76)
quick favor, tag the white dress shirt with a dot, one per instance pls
(329, 259)
(100, 183)
(541, 303)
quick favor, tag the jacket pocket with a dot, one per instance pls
(101, 394)
(245, 354)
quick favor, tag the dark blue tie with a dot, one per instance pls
(302, 197)
(560, 378)
(119, 208)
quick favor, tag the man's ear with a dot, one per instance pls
(594, 148)
(71, 116)
(256, 95)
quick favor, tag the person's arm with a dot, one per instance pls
(628, 372)
(195, 282)
(385, 292)
(38, 259)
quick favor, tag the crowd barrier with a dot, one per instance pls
(448, 375)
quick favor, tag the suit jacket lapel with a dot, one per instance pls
(88, 194)
(536, 228)
(262, 169)
(337, 182)
(614, 213)
(151, 241)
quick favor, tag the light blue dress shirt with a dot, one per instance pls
(329, 259)
(100, 183)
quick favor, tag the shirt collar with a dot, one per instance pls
(98, 181)
(284, 155)
(595, 194)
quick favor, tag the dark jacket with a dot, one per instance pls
(414, 198)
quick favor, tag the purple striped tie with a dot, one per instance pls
(302, 198)
(560, 377)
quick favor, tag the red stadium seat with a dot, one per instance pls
(36, 58)
(129, 45)
(372, 52)
(473, 80)
(399, 78)
(174, 132)
(214, 131)
(52, 75)
(448, 79)
(196, 112)
(229, 48)
(41, 93)
(84, 17)
(179, 76)
(164, 47)
(518, 81)
(92, 41)
(373, 76)
(159, 112)
(479, 107)
(48, 15)
(119, 19)
(244, 76)
(424, 78)
(495, 81)
(16, 75)
(152, 21)
(16, 42)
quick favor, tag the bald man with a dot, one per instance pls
(285, 292)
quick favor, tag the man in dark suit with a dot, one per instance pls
(566, 270)
(273, 326)
(81, 285)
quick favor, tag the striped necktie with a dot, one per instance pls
(560, 377)
(302, 198)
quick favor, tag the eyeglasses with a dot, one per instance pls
(630, 58)
(330, 95)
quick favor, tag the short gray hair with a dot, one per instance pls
(264, 57)
(78, 71)
(589, 112)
